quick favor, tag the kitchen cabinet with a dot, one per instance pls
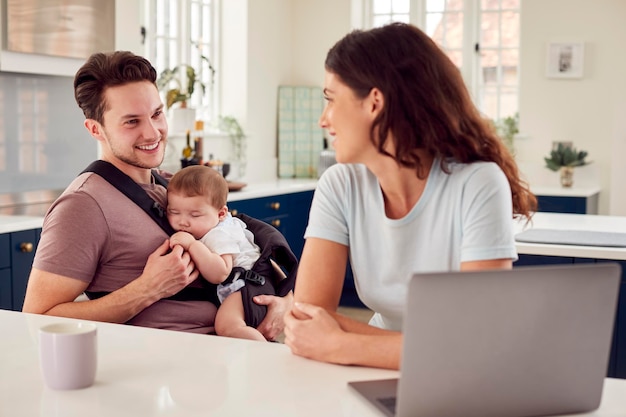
(17, 251)
(559, 204)
(579, 200)
(127, 37)
(288, 213)
(617, 358)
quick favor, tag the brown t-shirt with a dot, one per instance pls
(95, 234)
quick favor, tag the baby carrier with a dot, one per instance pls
(274, 273)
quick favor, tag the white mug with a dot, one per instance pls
(68, 354)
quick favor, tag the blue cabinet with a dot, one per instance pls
(617, 358)
(289, 213)
(17, 251)
(579, 199)
(557, 204)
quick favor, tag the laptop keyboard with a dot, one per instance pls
(389, 403)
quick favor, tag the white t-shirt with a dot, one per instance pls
(462, 216)
(232, 236)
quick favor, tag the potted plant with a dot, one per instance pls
(564, 158)
(507, 128)
(231, 126)
(179, 84)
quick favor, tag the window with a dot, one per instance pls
(185, 32)
(480, 36)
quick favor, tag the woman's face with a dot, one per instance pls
(349, 119)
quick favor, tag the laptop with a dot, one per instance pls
(531, 341)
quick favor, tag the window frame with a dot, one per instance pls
(180, 48)
(471, 59)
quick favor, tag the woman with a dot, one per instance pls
(423, 184)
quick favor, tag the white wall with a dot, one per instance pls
(267, 44)
(590, 112)
(317, 24)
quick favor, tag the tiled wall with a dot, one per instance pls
(300, 139)
(43, 143)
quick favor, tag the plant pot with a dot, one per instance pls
(181, 120)
(567, 176)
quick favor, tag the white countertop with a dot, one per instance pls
(575, 191)
(17, 223)
(270, 188)
(148, 372)
(584, 222)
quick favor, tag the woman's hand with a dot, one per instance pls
(273, 324)
(312, 332)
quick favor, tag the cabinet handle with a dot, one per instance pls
(276, 222)
(275, 205)
(234, 212)
(26, 247)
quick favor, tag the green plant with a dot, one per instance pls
(230, 125)
(176, 76)
(565, 156)
(507, 128)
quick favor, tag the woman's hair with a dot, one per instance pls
(200, 180)
(426, 104)
(104, 70)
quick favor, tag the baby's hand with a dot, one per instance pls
(183, 239)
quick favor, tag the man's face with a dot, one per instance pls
(134, 132)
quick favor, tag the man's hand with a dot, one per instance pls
(165, 273)
(273, 323)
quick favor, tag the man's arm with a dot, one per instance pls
(164, 275)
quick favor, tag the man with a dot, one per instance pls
(98, 241)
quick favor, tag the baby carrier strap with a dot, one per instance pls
(274, 250)
(127, 186)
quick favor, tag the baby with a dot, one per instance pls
(216, 241)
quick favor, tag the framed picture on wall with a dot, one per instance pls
(565, 60)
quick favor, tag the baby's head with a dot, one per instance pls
(196, 199)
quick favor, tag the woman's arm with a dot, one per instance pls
(321, 273)
(314, 330)
(321, 337)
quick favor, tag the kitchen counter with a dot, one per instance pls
(270, 188)
(573, 222)
(575, 191)
(150, 372)
(10, 224)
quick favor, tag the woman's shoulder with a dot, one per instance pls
(481, 169)
(347, 174)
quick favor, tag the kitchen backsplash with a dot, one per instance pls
(43, 143)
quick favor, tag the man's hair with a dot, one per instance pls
(200, 180)
(104, 70)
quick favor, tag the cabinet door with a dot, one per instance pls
(23, 246)
(6, 293)
(300, 205)
(618, 354)
(260, 208)
(557, 204)
(542, 260)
